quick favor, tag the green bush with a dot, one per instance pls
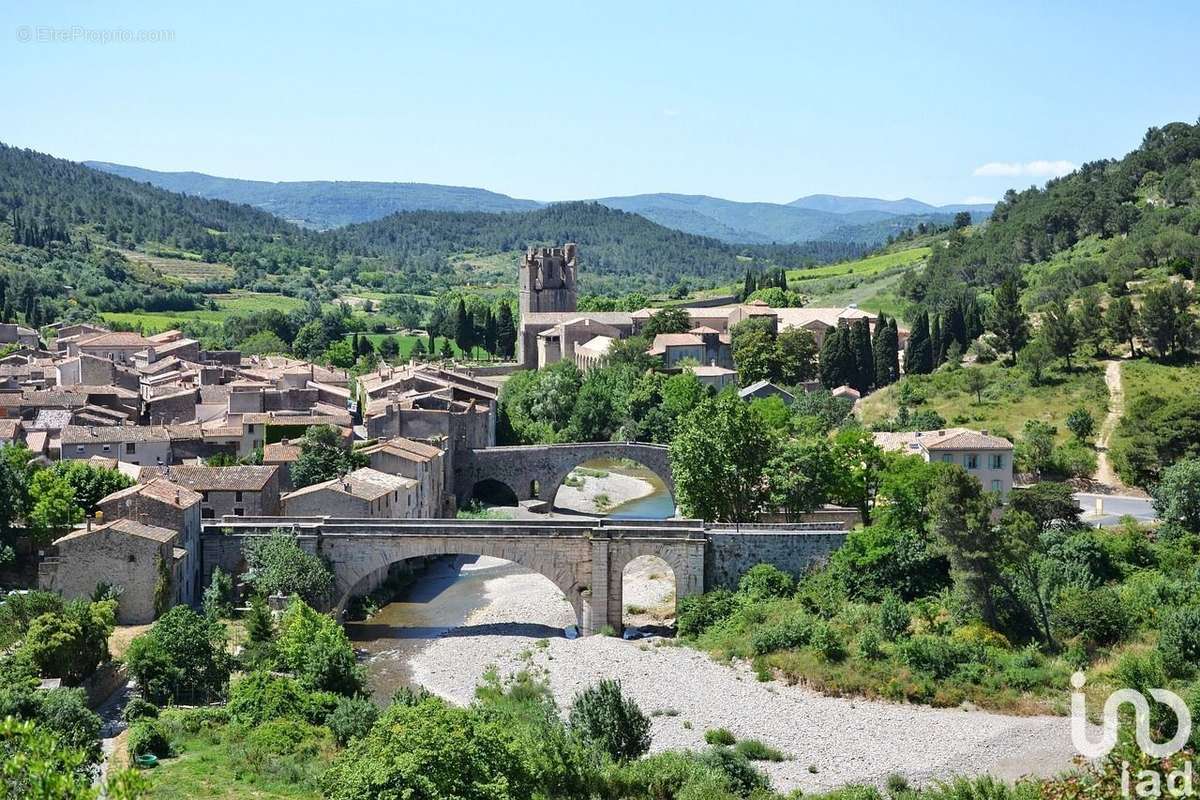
(613, 723)
(1073, 460)
(720, 736)
(766, 582)
(869, 644)
(64, 713)
(353, 717)
(1179, 641)
(139, 708)
(794, 631)
(755, 750)
(936, 655)
(317, 651)
(894, 618)
(260, 696)
(743, 778)
(698, 613)
(1093, 615)
(827, 642)
(148, 737)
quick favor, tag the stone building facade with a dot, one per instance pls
(146, 561)
(242, 491)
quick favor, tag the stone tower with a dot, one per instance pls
(547, 280)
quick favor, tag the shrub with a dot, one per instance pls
(1179, 641)
(935, 655)
(743, 778)
(795, 631)
(698, 613)
(755, 750)
(720, 736)
(261, 696)
(1073, 460)
(613, 723)
(148, 737)
(1093, 615)
(894, 618)
(353, 717)
(827, 642)
(139, 708)
(869, 645)
(766, 581)
(182, 658)
(977, 633)
(64, 713)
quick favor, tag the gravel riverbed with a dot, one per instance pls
(829, 741)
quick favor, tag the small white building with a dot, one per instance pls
(989, 458)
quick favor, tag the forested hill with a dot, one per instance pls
(56, 195)
(618, 250)
(326, 204)
(1141, 212)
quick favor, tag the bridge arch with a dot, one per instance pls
(360, 557)
(547, 466)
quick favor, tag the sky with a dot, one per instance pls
(752, 101)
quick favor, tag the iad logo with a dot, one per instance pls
(1149, 783)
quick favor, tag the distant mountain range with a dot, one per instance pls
(331, 204)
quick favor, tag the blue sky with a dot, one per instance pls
(749, 101)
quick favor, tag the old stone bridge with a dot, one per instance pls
(584, 558)
(536, 471)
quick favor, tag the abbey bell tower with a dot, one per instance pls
(548, 279)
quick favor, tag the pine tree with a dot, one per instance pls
(260, 625)
(418, 350)
(864, 363)
(1007, 320)
(1058, 326)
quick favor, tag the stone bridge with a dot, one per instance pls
(536, 471)
(585, 558)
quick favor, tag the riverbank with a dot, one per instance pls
(599, 491)
(829, 741)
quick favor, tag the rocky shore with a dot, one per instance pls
(601, 493)
(829, 741)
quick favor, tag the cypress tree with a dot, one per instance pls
(847, 357)
(506, 332)
(830, 363)
(881, 356)
(864, 363)
(464, 328)
(892, 346)
(918, 356)
(937, 346)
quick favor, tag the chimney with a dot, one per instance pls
(283, 441)
(941, 433)
(984, 432)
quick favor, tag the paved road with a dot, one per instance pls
(1114, 508)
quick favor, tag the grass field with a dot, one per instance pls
(1144, 377)
(407, 342)
(233, 303)
(864, 267)
(1008, 401)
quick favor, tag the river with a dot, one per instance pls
(445, 595)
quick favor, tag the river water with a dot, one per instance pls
(445, 595)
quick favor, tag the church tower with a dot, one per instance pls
(547, 279)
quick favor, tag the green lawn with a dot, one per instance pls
(407, 342)
(864, 267)
(232, 303)
(220, 763)
(1008, 401)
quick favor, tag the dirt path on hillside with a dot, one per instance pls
(1106, 477)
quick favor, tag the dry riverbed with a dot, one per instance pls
(829, 741)
(599, 491)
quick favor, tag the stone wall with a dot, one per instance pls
(728, 554)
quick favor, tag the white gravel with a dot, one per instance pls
(843, 740)
(618, 487)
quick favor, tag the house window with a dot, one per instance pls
(78, 448)
(996, 461)
(250, 428)
(238, 512)
(237, 497)
(130, 448)
(996, 487)
(207, 513)
(972, 460)
(948, 458)
(106, 448)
